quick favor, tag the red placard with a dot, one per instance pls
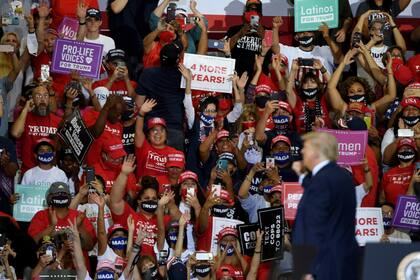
(292, 193)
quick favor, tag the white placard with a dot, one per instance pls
(218, 225)
(369, 225)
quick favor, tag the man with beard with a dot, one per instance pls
(57, 216)
(34, 122)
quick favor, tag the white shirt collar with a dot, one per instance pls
(319, 166)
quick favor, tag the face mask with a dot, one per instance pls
(45, 158)
(105, 274)
(220, 210)
(229, 249)
(202, 270)
(150, 274)
(60, 201)
(127, 115)
(248, 124)
(172, 237)
(149, 206)
(224, 104)
(166, 37)
(206, 120)
(357, 98)
(261, 100)
(282, 158)
(411, 120)
(118, 243)
(267, 189)
(309, 93)
(281, 122)
(387, 222)
(306, 41)
(42, 111)
(406, 156)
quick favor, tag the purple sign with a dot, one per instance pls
(407, 213)
(78, 56)
(351, 145)
(68, 28)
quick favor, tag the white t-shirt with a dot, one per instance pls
(399, 237)
(389, 137)
(183, 207)
(360, 194)
(323, 53)
(38, 176)
(377, 54)
(106, 41)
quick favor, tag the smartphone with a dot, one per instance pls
(275, 96)
(163, 254)
(417, 166)
(357, 38)
(170, 12)
(166, 188)
(306, 62)
(121, 63)
(45, 72)
(222, 164)
(190, 20)
(200, 256)
(90, 174)
(270, 162)
(216, 44)
(216, 188)
(404, 132)
(255, 21)
(268, 38)
(49, 252)
(6, 48)
(191, 192)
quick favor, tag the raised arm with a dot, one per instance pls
(335, 48)
(256, 258)
(391, 91)
(102, 235)
(269, 109)
(243, 192)
(161, 8)
(277, 23)
(81, 16)
(118, 5)
(189, 108)
(183, 221)
(369, 64)
(203, 43)
(118, 188)
(205, 147)
(100, 123)
(399, 39)
(19, 126)
(290, 89)
(164, 200)
(78, 259)
(282, 81)
(203, 219)
(139, 136)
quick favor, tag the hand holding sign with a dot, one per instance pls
(324, 29)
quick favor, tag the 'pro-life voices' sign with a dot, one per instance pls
(78, 56)
(407, 213)
(310, 14)
(209, 73)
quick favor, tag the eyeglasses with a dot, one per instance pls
(40, 96)
(210, 111)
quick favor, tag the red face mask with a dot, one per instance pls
(224, 104)
(166, 37)
(248, 124)
(247, 15)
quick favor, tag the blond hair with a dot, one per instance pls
(324, 143)
(6, 63)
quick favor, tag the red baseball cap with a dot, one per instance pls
(187, 175)
(279, 138)
(415, 85)
(286, 106)
(105, 263)
(277, 188)
(176, 159)
(263, 88)
(155, 121)
(410, 101)
(113, 147)
(226, 197)
(222, 134)
(227, 231)
(44, 141)
(407, 142)
(116, 227)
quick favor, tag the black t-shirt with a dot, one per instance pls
(128, 138)
(163, 85)
(245, 49)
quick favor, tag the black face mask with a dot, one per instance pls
(220, 210)
(406, 156)
(306, 41)
(151, 274)
(202, 270)
(149, 206)
(357, 98)
(309, 93)
(60, 200)
(261, 100)
(387, 222)
(411, 120)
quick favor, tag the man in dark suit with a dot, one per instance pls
(324, 226)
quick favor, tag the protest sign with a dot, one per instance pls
(62, 274)
(351, 145)
(248, 238)
(71, 55)
(292, 193)
(309, 14)
(218, 225)
(407, 213)
(32, 200)
(75, 133)
(271, 221)
(369, 225)
(209, 73)
(68, 28)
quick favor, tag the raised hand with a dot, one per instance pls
(43, 9)
(128, 165)
(166, 197)
(147, 106)
(324, 29)
(130, 224)
(81, 10)
(184, 219)
(277, 22)
(98, 200)
(241, 82)
(52, 216)
(186, 72)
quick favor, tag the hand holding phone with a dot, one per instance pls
(270, 163)
(215, 189)
(203, 256)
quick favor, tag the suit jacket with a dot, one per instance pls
(325, 221)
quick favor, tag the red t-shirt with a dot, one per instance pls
(140, 220)
(299, 113)
(359, 176)
(110, 130)
(396, 181)
(36, 128)
(151, 161)
(110, 175)
(414, 65)
(118, 87)
(67, 8)
(204, 239)
(152, 58)
(41, 221)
